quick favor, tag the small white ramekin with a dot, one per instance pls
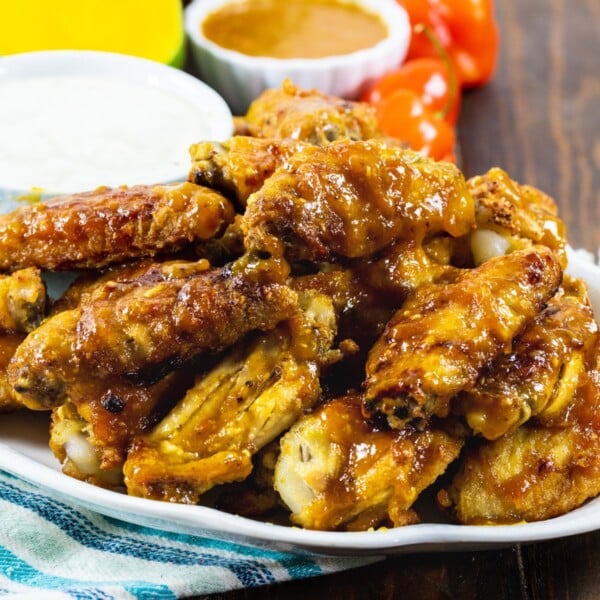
(240, 78)
(211, 119)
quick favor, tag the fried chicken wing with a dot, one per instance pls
(239, 166)
(23, 304)
(309, 115)
(145, 328)
(160, 326)
(45, 365)
(542, 372)
(511, 216)
(352, 199)
(258, 390)
(442, 338)
(9, 342)
(23, 300)
(406, 265)
(91, 432)
(337, 471)
(535, 473)
(94, 229)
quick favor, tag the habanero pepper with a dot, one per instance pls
(466, 29)
(402, 115)
(431, 79)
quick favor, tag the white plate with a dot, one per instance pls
(24, 452)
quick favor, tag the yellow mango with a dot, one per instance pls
(148, 28)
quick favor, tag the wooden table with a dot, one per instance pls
(540, 120)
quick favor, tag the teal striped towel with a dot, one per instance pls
(51, 549)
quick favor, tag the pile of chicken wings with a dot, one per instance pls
(319, 323)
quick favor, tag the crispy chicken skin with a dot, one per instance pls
(444, 335)
(239, 166)
(159, 326)
(540, 375)
(94, 229)
(406, 265)
(336, 471)
(309, 115)
(538, 471)
(259, 389)
(23, 304)
(352, 199)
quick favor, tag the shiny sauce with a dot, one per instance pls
(293, 28)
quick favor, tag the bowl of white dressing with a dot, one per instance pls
(71, 121)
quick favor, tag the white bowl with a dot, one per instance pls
(240, 78)
(74, 120)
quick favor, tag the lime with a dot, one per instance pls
(147, 28)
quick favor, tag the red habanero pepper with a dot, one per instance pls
(467, 29)
(403, 115)
(429, 78)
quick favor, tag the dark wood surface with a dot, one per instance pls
(540, 120)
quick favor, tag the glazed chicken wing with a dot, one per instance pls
(9, 342)
(406, 265)
(512, 216)
(259, 389)
(144, 327)
(337, 471)
(94, 229)
(23, 303)
(309, 115)
(352, 199)
(239, 166)
(91, 432)
(160, 326)
(23, 300)
(540, 375)
(441, 339)
(538, 471)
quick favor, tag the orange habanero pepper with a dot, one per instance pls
(467, 29)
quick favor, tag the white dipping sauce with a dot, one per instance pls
(70, 133)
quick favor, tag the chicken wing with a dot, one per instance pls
(538, 471)
(9, 342)
(441, 339)
(352, 199)
(309, 115)
(159, 326)
(144, 327)
(541, 373)
(94, 229)
(406, 265)
(23, 300)
(23, 303)
(239, 166)
(512, 216)
(259, 389)
(337, 471)
(91, 432)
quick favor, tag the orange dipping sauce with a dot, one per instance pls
(293, 28)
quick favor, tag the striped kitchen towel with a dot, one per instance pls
(53, 549)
